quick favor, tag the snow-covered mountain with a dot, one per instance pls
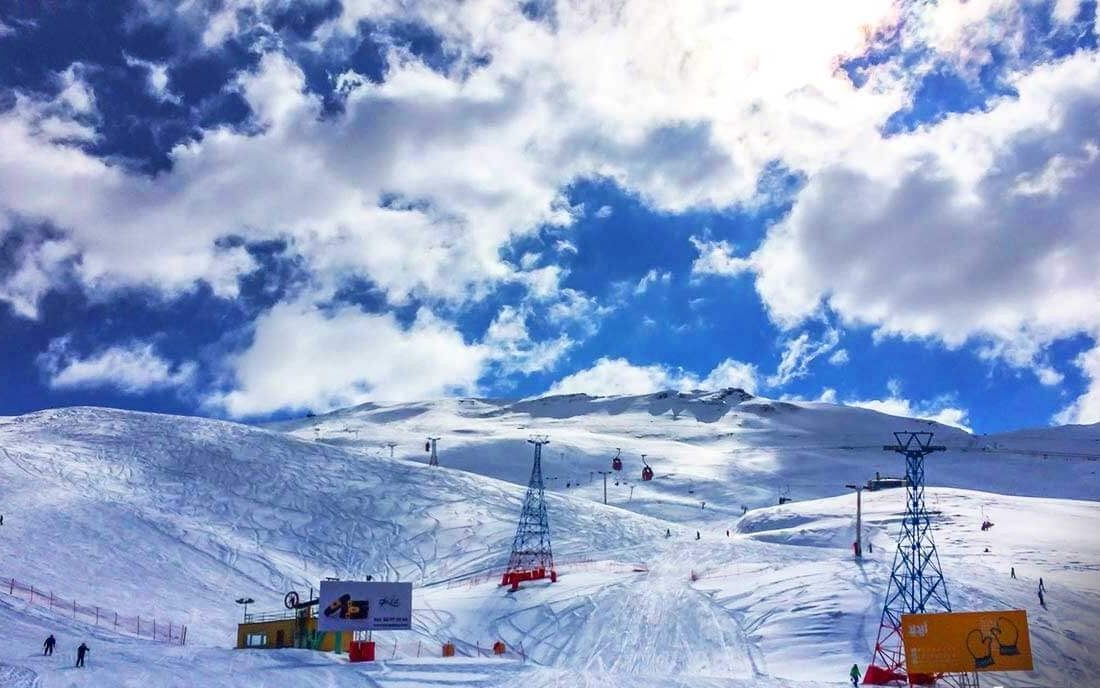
(727, 448)
(179, 516)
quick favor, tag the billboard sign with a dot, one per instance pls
(966, 641)
(364, 606)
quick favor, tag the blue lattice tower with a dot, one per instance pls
(531, 556)
(916, 582)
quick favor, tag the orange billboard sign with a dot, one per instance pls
(966, 641)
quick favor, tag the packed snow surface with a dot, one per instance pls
(176, 517)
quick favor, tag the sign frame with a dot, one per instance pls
(962, 642)
(364, 606)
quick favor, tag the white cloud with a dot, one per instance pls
(839, 357)
(75, 92)
(651, 278)
(716, 258)
(934, 411)
(565, 246)
(1049, 376)
(133, 368)
(304, 358)
(936, 238)
(481, 153)
(1085, 408)
(731, 373)
(612, 376)
(512, 347)
(40, 262)
(156, 78)
(798, 353)
(605, 211)
(940, 409)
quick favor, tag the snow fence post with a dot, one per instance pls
(11, 587)
(139, 626)
(418, 649)
(169, 631)
(74, 609)
(116, 622)
(154, 628)
(478, 645)
(51, 599)
(394, 648)
(97, 616)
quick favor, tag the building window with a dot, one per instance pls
(256, 640)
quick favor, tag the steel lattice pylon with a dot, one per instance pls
(916, 582)
(531, 556)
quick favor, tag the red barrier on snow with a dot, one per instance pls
(878, 676)
(361, 651)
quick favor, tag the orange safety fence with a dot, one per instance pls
(142, 627)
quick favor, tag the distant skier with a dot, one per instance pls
(854, 674)
(870, 547)
(727, 532)
(1012, 572)
(80, 652)
(1042, 588)
(697, 535)
(47, 647)
(1042, 602)
(668, 532)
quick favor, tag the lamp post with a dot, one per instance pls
(245, 601)
(859, 519)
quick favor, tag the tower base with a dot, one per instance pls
(514, 578)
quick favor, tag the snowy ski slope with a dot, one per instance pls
(179, 516)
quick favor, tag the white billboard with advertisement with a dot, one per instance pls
(364, 606)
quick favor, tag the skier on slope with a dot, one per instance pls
(854, 674)
(47, 647)
(80, 652)
(668, 532)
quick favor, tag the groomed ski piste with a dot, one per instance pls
(175, 518)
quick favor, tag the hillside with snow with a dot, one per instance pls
(179, 516)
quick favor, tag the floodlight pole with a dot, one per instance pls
(245, 601)
(604, 474)
(859, 519)
(434, 461)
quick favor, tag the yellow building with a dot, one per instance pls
(287, 629)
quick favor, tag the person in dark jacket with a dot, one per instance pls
(47, 647)
(854, 674)
(80, 652)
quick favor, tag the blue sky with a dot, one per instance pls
(256, 209)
